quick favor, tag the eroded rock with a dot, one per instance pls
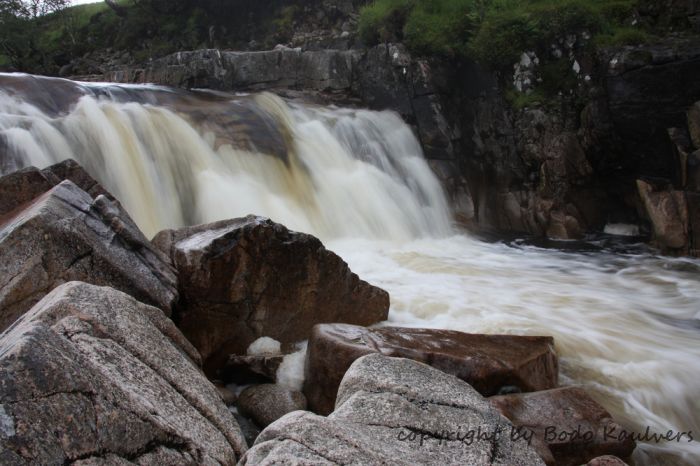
(246, 278)
(65, 235)
(487, 362)
(90, 373)
(398, 412)
(574, 427)
(668, 212)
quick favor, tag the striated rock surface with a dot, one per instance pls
(92, 376)
(569, 422)
(65, 235)
(396, 412)
(488, 363)
(246, 278)
(266, 403)
(22, 186)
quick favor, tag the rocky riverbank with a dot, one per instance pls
(120, 350)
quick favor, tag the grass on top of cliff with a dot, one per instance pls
(495, 32)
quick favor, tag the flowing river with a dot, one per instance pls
(626, 324)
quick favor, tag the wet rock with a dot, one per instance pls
(395, 411)
(227, 396)
(245, 369)
(266, 403)
(486, 362)
(89, 373)
(22, 186)
(573, 426)
(65, 235)
(668, 212)
(246, 278)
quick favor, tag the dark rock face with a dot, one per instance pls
(22, 186)
(266, 403)
(649, 89)
(487, 362)
(242, 369)
(394, 411)
(65, 235)
(246, 278)
(91, 374)
(566, 410)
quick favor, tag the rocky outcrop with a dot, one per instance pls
(489, 363)
(395, 411)
(92, 376)
(243, 279)
(607, 460)
(668, 213)
(266, 403)
(65, 235)
(22, 186)
(574, 428)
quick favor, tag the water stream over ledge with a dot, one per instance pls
(626, 325)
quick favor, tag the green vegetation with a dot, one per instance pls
(497, 32)
(145, 28)
(494, 32)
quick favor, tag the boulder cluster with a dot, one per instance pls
(119, 350)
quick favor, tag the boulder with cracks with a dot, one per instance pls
(396, 412)
(92, 376)
(65, 235)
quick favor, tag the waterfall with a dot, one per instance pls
(626, 326)
(337, 173)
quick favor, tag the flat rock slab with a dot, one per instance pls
(395, 412)
(246, 278)
(487, 362)
(92, 376)
(65, 235)
(569, 422)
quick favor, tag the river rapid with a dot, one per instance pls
(626, 322)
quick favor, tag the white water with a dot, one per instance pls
(626, 327)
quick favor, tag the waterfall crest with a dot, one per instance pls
(328, 171)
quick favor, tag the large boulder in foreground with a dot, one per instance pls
(64, 235)
(398, 412)
(569, 422)
(489, 363)
(246, 278)
(92, 374)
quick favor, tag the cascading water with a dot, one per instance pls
(626, 325)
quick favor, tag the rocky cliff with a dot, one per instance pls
(559, 167)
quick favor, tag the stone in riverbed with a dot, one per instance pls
(266, 403)
(487, 362)
(558, 416)
(668, 212)
(65, 235)
(606, 460)
(245, 278)
(399, 412)
(91, 374)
